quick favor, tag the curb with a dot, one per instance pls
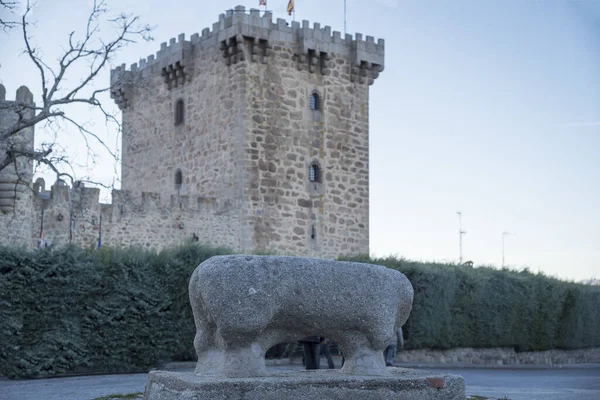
(497, 366)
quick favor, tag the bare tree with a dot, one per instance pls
(8, 7)
(61, 90)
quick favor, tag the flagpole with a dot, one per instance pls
(344, 17)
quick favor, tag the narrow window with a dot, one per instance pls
(314, 174)
(178, 181)
(313, 233)
(315, 102)
(179, 112)
(39, 185)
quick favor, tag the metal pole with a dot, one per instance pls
(503, 234)
(460, 234)
(344, 17)
(70, 217)
(502, 249)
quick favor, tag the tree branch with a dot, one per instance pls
(9, 7)
(32, 56)
(57, 94)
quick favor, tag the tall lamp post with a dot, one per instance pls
(460, 235)
(503, 235)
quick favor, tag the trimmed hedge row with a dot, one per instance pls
(72, 310)
(457, 306)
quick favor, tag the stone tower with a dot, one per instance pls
(16, 170)
(265, 125)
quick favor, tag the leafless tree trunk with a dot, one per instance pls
(61, 89)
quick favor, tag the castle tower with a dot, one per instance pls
(17, 171)
(264, 123)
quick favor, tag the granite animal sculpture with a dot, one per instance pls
(243, 305)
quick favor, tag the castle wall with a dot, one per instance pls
(205, 147)
(15, 225)
(148, 220)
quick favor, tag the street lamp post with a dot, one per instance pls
(503, 235)
(460, 235)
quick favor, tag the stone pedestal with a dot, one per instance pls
(402, 383)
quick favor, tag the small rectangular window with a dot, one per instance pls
(314, 101)
(314, 173)
(179, 112)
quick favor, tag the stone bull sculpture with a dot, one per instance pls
(243, 305)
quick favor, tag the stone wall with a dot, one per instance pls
(15, 170)
(285, 137)
(203, 147)
(498, 356)
(148, 221)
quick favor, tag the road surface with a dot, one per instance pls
(572, 383)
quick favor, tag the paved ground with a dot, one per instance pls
(572, 383)
(531, 384)
(79, 388)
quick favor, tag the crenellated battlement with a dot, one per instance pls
(240, 34)
(88, 200)
(23, 95)
(11, 109)
(65, 214)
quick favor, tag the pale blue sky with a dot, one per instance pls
(487, 107)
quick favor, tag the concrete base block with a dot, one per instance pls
(407, 384)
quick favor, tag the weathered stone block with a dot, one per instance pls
(306, 385)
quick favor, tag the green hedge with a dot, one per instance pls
(458, 306)
(72, 310)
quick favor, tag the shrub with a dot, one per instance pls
(116, 310)
(70, 310)
(458, 306)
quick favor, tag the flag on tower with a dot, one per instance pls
(290, 8)
(262, 3)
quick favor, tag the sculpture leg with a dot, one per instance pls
(204, 342)
(208, 354)
(242, 362)
(361, 356)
